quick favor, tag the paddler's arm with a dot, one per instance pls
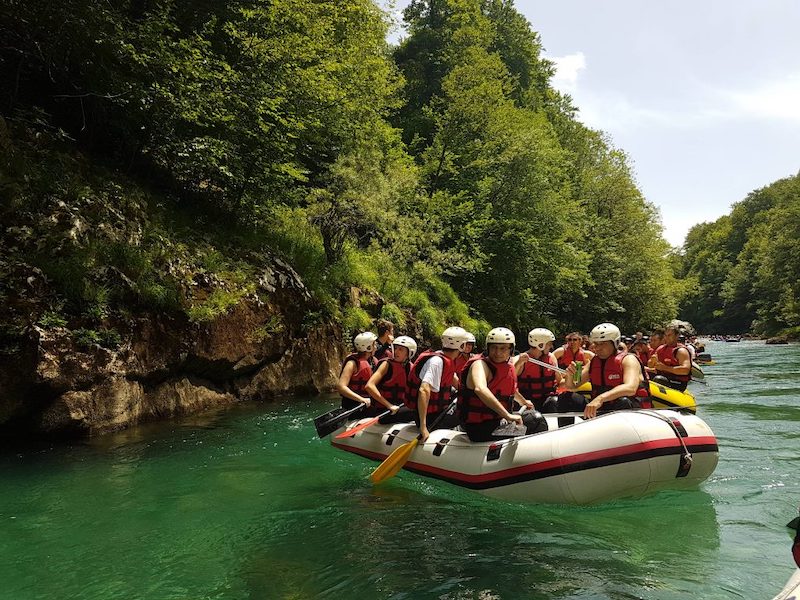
(372, 386)
(423, 398)
(522, 400)
(344, 382)
(520, 360)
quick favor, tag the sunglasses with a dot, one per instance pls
(573, 339)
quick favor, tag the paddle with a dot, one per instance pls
(362, 427)
(547, 365)
(332, 420)
(395, 461)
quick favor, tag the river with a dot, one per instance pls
(247, 503)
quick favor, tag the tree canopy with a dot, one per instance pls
(443, 177)
(742, 269)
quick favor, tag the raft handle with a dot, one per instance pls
(391, 436)
(494, 452)
(437, 451)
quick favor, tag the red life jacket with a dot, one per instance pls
(438, 401)
(568, 357)
(503, 384)
(644, 357)
(460, 362)
(669, 356)
(360, 377)
(394, 384)
(606, 373)
(537, 383)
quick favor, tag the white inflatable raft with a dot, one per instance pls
(791, 591)
(621, 454)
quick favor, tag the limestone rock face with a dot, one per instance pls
(168, 365)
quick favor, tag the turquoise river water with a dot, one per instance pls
(246, 503)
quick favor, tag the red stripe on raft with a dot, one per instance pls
(544, 465)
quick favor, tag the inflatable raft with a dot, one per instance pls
(791, 591)
(621, 454)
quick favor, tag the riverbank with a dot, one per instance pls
(162, 367)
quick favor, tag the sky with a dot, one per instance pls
(703, 95)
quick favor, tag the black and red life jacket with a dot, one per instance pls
(669, 356)
(503, 384)
(360, 377)
(383, 351)
(460, 362)
(394, 385)
(568, 357)
(438, 401)
(537, 383)
(644, 357)
(607, 373)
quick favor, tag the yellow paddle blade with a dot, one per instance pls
(394, 462)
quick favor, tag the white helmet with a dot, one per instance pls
(406, 342)
(363, 341)
(471, 338)
(500, 335)
(605, 332)
(453, 338)
(539, 337)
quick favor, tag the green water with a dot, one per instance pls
(246, 503)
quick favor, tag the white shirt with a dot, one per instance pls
(432, 372)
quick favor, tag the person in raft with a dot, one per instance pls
(388, 385)
(385, 337)
(356, 370)
(656, 339)
(465, 354)
(641, 350)
(573, 350)
(618, 379)
(536, 383)
(671, 362)
(490, 389)
(431, 380)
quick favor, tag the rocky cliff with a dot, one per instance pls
(168, 365)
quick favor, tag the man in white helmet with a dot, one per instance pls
(536, 383)
(490, 390)
(431, 380)
(356, 370)
(618, 379)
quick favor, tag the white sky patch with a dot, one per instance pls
(567, 69)
(773, 100)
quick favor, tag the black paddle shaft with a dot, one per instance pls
(331, 421)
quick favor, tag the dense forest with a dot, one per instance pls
(743, 270)
(153, 153)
